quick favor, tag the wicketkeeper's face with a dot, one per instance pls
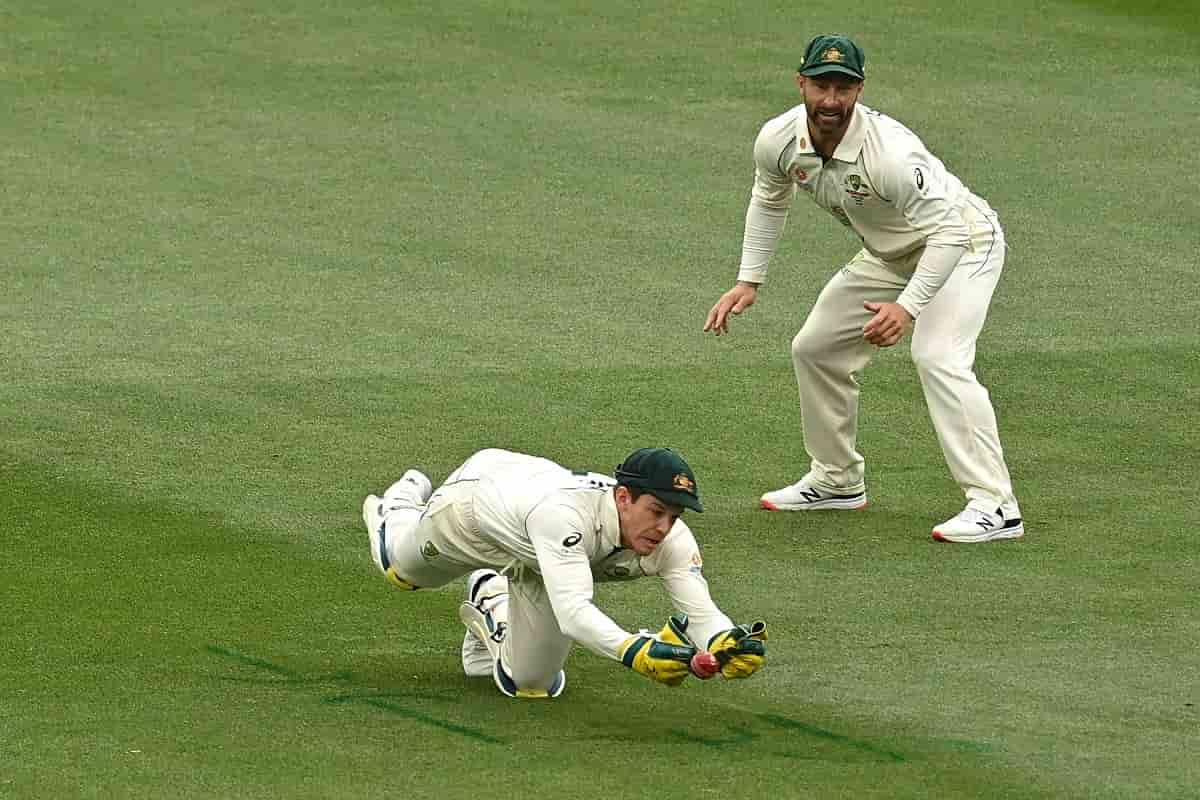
(645, 522)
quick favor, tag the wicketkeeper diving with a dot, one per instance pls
(531, 538)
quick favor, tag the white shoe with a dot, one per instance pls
(477, 659)
(374, 511)
(803, 496)
(372, 514)
(413, 488)
(973, 525)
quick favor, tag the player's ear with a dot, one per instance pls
(799, 81)
(621, 495)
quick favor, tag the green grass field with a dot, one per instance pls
(261, 257)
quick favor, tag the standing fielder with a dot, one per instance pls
(533, 537)
(932, 254)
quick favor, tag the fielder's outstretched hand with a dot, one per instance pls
(665, 657)
(740, 650)
(735, 301)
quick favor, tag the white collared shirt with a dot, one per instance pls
(881, 182)
(564, 526)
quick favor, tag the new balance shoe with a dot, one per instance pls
(804, 496)
(975, 524)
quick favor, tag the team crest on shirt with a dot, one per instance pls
(429, 550)
(799, 174)
(856, 188)
(696, 564)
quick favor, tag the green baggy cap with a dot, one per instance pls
(833, 53)
(663, 473)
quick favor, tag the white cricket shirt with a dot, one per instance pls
(881, 182)
(564, 526)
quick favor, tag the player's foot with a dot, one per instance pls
(975, 524)
(374, 513)
(477, 659)
(413, 487)
(804, 496)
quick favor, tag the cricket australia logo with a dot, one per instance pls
(429, 550)
(856, 188)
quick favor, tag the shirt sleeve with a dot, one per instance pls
(560, 539)
(766, 216)
(931, 201)
(680, 568)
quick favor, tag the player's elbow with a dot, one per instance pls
(571, 622)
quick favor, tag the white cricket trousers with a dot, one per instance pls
(829, 352)
(434, 544)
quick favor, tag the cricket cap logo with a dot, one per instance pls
(833, 53)
(663, 473)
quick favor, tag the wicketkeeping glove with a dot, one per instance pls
(665, 657)
(741, 649)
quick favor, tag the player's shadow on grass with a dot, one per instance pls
(590, 715)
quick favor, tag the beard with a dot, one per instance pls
(829, 123)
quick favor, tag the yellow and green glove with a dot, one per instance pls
(665, 657)
(740, 650)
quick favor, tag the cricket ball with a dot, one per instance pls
(705, 665)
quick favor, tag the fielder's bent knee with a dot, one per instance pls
(931, 357)
(514, 687)
(807, 348)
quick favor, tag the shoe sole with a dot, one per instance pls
(372, 530)
(375, 539)
(837, 503)
(473, 619)
(476, 658)
(1004, 533)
